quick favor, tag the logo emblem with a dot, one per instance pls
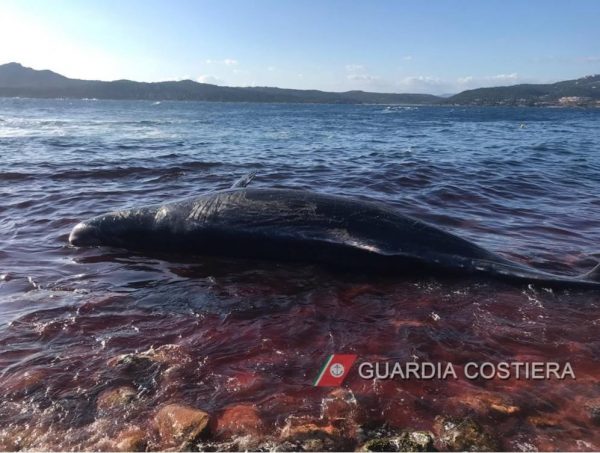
(335, 370)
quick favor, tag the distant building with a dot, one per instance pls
(576, 101)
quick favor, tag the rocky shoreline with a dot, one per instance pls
(179, 426)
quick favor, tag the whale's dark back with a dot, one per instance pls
(296, 225)
(301, 225)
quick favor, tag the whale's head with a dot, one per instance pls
(120, 228)
(85, 234)
(108, 229)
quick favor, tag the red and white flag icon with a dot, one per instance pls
(335, 370)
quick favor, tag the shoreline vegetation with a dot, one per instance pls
(19, 81)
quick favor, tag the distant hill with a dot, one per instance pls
(583, 92)
(19, 81)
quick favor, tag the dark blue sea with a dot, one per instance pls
(251, 336)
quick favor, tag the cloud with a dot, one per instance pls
(407, 57)
(226, 62)
(209, 79)
(436, 85)
(178, 78)
(359, 73)
(469, 82)
(591, 59)
(423, 83)
(363, 77)
(511, 77)
(567, 60)
(355, 68)
(271, 68)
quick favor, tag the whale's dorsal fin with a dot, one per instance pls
(244, 181)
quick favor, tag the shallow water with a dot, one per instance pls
(521, 182)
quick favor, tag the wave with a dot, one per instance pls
(112, 172)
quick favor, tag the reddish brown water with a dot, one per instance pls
(260, 335)
(232, 332)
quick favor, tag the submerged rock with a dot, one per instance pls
(142, 370)
(131, 362)
(544, 421)
(310, 437)
(8, 444)
(406, 441)
(168, 354)
(132, 439)
(24, 383)
(177, 424)
(339, 404)
(484, 403)
(239, 420)
(464, 434)
(507, 409)
(592, 408)
(115, 398)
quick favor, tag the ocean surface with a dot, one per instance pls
(523, 182)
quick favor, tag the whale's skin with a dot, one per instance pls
(296, 225)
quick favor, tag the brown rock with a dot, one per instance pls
(18, 438)
(592, 408)
(116, 397)
(464, 434)
(141, 363)
(132, 439)
(170, 354)
(339, 404)
(177, 423)
(241, 419)
(544, 421)
(7, 444)
(484, 402)
(310, 437)
(292, 430)
(406, 441)
(505, 408)
(133, 362)
(24, 382)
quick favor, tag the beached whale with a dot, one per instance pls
(303, 226)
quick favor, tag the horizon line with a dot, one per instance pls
(445, 95)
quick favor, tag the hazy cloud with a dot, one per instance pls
(423, 84)
(179, 78)
(469, 82)
(209, 79)
(495, 78)
(591, 59)
(359, 73)
(362, 77)
(567, 60)
(226, 62)
(355, 68)
(438, 85)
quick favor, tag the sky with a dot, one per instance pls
(436, 46)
